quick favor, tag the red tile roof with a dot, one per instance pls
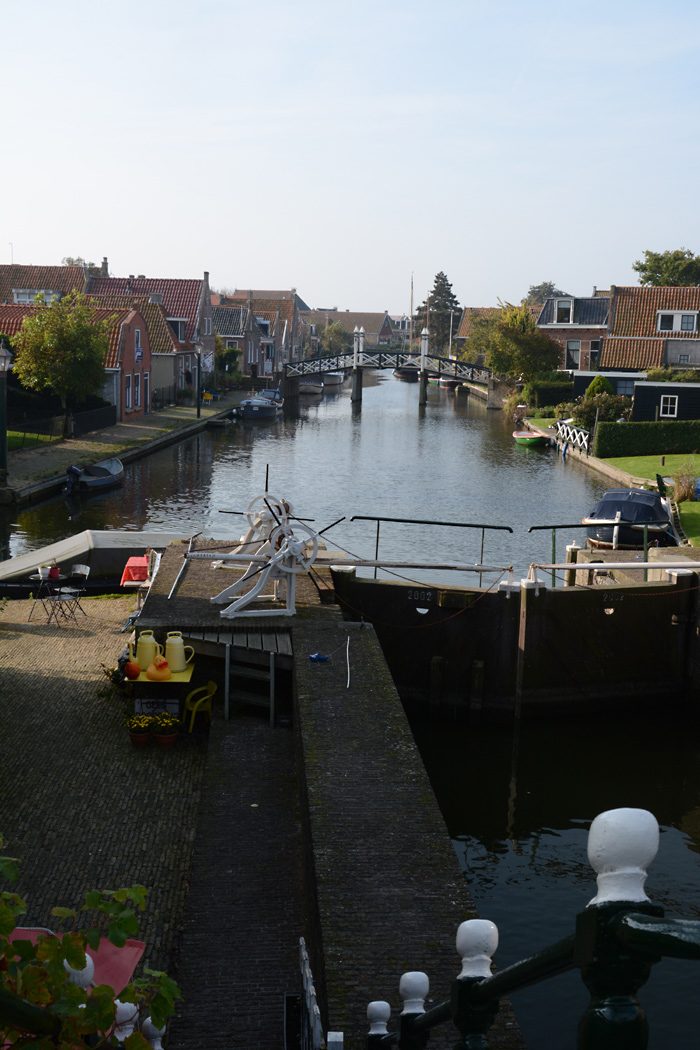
(181, 298)
(12, 319)
(161, 338)
(63, 279)
(469, 315)
(635, 309)
(640, 354)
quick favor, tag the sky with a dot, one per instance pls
(350, 149)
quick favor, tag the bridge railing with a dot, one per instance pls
(377, 357)
(614, 944)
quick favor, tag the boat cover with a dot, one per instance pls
(634, 505)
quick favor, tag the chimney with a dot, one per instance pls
(104, 269)
(595, 291)
(142, 277)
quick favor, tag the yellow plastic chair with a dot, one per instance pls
(203, 704)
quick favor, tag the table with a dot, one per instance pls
(135, 570)
(48, 589)
(150, 700)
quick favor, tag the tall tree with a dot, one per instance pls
(440, 310)
(334, 338)
(511, 343)
(62, 348)
(679, 268)
(539, 293)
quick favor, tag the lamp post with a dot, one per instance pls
(5, 362)
(198, 352)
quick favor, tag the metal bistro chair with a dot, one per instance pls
(204, 702)
(74, 592)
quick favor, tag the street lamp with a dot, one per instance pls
(198, 352)
(5, 363)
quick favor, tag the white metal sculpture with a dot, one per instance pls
(275, 550)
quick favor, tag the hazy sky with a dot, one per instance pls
(340, 147)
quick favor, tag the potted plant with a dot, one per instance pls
(43, 571)
(139, 728)
(165, 729)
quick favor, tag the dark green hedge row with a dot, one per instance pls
(646, 439)
(549, 393)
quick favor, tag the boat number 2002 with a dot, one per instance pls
(420, 596)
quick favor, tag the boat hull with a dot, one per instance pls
(617, 521)
(529, 439)
(107, 474)
(253, 409)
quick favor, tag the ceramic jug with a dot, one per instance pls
(147, 649)
(176, 650)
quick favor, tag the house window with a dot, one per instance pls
(137, 338)
(207, 325)
(594, 354)
(178, 327)
(573, 352)
(137, 390)
(146, 392)
(676, 322)
(232, 344)
(127, 391)
(669, 406)
(564, 311)
(625, 387)
(684, 359)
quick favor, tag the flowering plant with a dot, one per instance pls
(139, 723)
(165, 723)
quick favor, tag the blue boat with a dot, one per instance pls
(106, 474)
(618, 520)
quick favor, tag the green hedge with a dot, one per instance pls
(646, 439)
(548, 393)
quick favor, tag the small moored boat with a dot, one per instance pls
(408, 372)
(274, 395)
(308, 387)
(530, 437)
(106, 474)
(618, 521)
(257, 408)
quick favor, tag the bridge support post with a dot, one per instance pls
(356, 385)
(423, 388)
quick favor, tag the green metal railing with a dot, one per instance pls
(579, 525)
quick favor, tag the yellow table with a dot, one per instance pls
(150, 700)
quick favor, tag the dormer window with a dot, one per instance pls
(667, 321)
(178, 326)
(564, 311)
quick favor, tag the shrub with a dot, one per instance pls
(684, 481)
(599, 385)
(607, 407)
(647, 439)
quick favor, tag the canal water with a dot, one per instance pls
(517, 809)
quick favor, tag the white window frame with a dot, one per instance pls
(678, 317)
(684, 359)
(668, 408)
(127, 390)
(137, 390)
(573, 346)
(137, 338)
(558, 305)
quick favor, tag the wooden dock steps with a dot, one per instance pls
(251, 656)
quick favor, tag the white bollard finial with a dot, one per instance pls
(378, 1014)
(152, 1034)
(126, 1016)
(622, 843)
(83, 978)
(477, 941)
(413, 988)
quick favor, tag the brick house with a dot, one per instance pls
(652, 328)
(578, 325)
(188, 311)
(128, 360)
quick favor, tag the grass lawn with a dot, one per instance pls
(690, 520)
(650, 466)
(542, 424)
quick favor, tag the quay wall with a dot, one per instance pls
(385, 893)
